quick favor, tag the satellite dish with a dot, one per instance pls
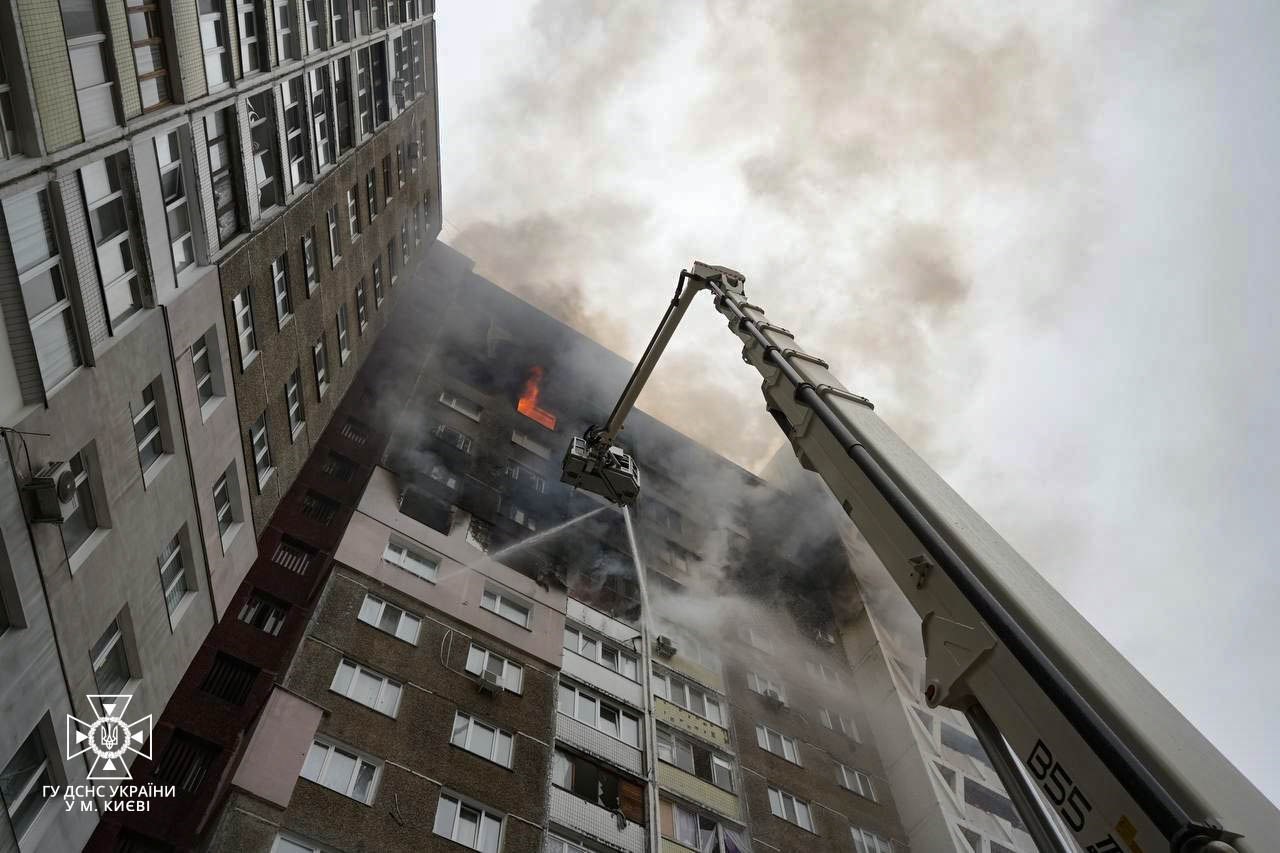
(66, 486)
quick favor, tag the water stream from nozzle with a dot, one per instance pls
(544, 534)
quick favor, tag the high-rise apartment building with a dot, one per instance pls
(208, 208)
(442, 645)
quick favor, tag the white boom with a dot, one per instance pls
(1124, 771)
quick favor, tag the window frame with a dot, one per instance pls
(398, 554)
(497, 734)
(151, 445)
(181, 582)
(482, 813)
(480, 660)
(386, 684)
(779, 810)
(260, 428)
(381, 604)
(500, 597)
(360, 758)
(294, 403)
(111, 647)
(43, 773)
(599, 701)
(762, 740)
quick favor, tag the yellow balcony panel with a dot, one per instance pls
(689, 722)
(697, 790)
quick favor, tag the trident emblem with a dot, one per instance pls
(109, 737)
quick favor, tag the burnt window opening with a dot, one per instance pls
(338, 467)
(293, 555)
(318, 507)
(264, 612)
(598, 785)
(230, 678)
(355, 431)
(185, 762)
(953, 738)
(981, 797)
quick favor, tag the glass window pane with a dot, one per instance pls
(586, 709)
(365, 688)
(41, 291)
(315, 760)
(342, 678)
(490, 832)
(475, 660)
(446, 812)
(502, 753)
(461, 724)
(481, 739)
(468, 826)
(364, 782)
(337, 775)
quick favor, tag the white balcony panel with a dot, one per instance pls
(596, 743)
(595, 822)
(593, 674)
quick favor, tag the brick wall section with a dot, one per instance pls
(188, 51)
(16, 326)
(51, 73)
(126, 71)
(79, 251)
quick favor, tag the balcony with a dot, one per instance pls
(598, 744)
(596, 675)
(595, 822)
(696, 790)
(689, 723)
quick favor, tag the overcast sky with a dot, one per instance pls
(1044, 246)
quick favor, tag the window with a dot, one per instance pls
(286, 37)
(509, 509)
(82, 520)
(471, 826)
(522, 439)
(338, 467)
(353, 212)
(264, 613)
(760, 640)
(789, 808)
(222, 502)
(371, 192)
(320, 361)
(321, 114)
(361, 684)
(261, 450)
(230, 679)
(556, 844)
(688, 696)
(185, 762)
(381, 110)
(293, 555)
(342, 100)
(866, 841)
(388, 188)
(220, 140)
(293, 401)
(8, 127)
(377, 282)
(387, 617)
(251, 46)
(173, 574)
(778, 744)
(266, 153)
(86, 47)
(22, 783)
(393, 267)
(856, 781)
(700, 831)
(412, 561)
(823, 672)
(295, 134)
(309, 261)
(173, 191)
(35, 254)
(598, 785)
(611, 657)
(331, 223)
(146, 426)
(340, 16)
(534, 481)
(344, 339)
(692, 757)
(203, 356)
(110, 662)
(838, 722)
(341, 769)
(104, 184)
(146, 28)
(242, 305)
(404, 242)
(981, 797)
(953, 738)
(318, 507)
(509, 608)
(362, 307)
(364, 91)
(509, 674)
(613, 720)
(764, 685)
(400, 164)
(213, 40)
(484, 740)
(315, 33)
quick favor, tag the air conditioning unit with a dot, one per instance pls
(51, 494)
(774, 700)
(489, 683)
(663, 647)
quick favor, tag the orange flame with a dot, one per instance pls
(528, 405)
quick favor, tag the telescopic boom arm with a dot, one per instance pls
(1055, 705)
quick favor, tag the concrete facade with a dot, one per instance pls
(126, 229)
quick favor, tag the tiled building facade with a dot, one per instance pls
(155, 157)
(464, 671)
